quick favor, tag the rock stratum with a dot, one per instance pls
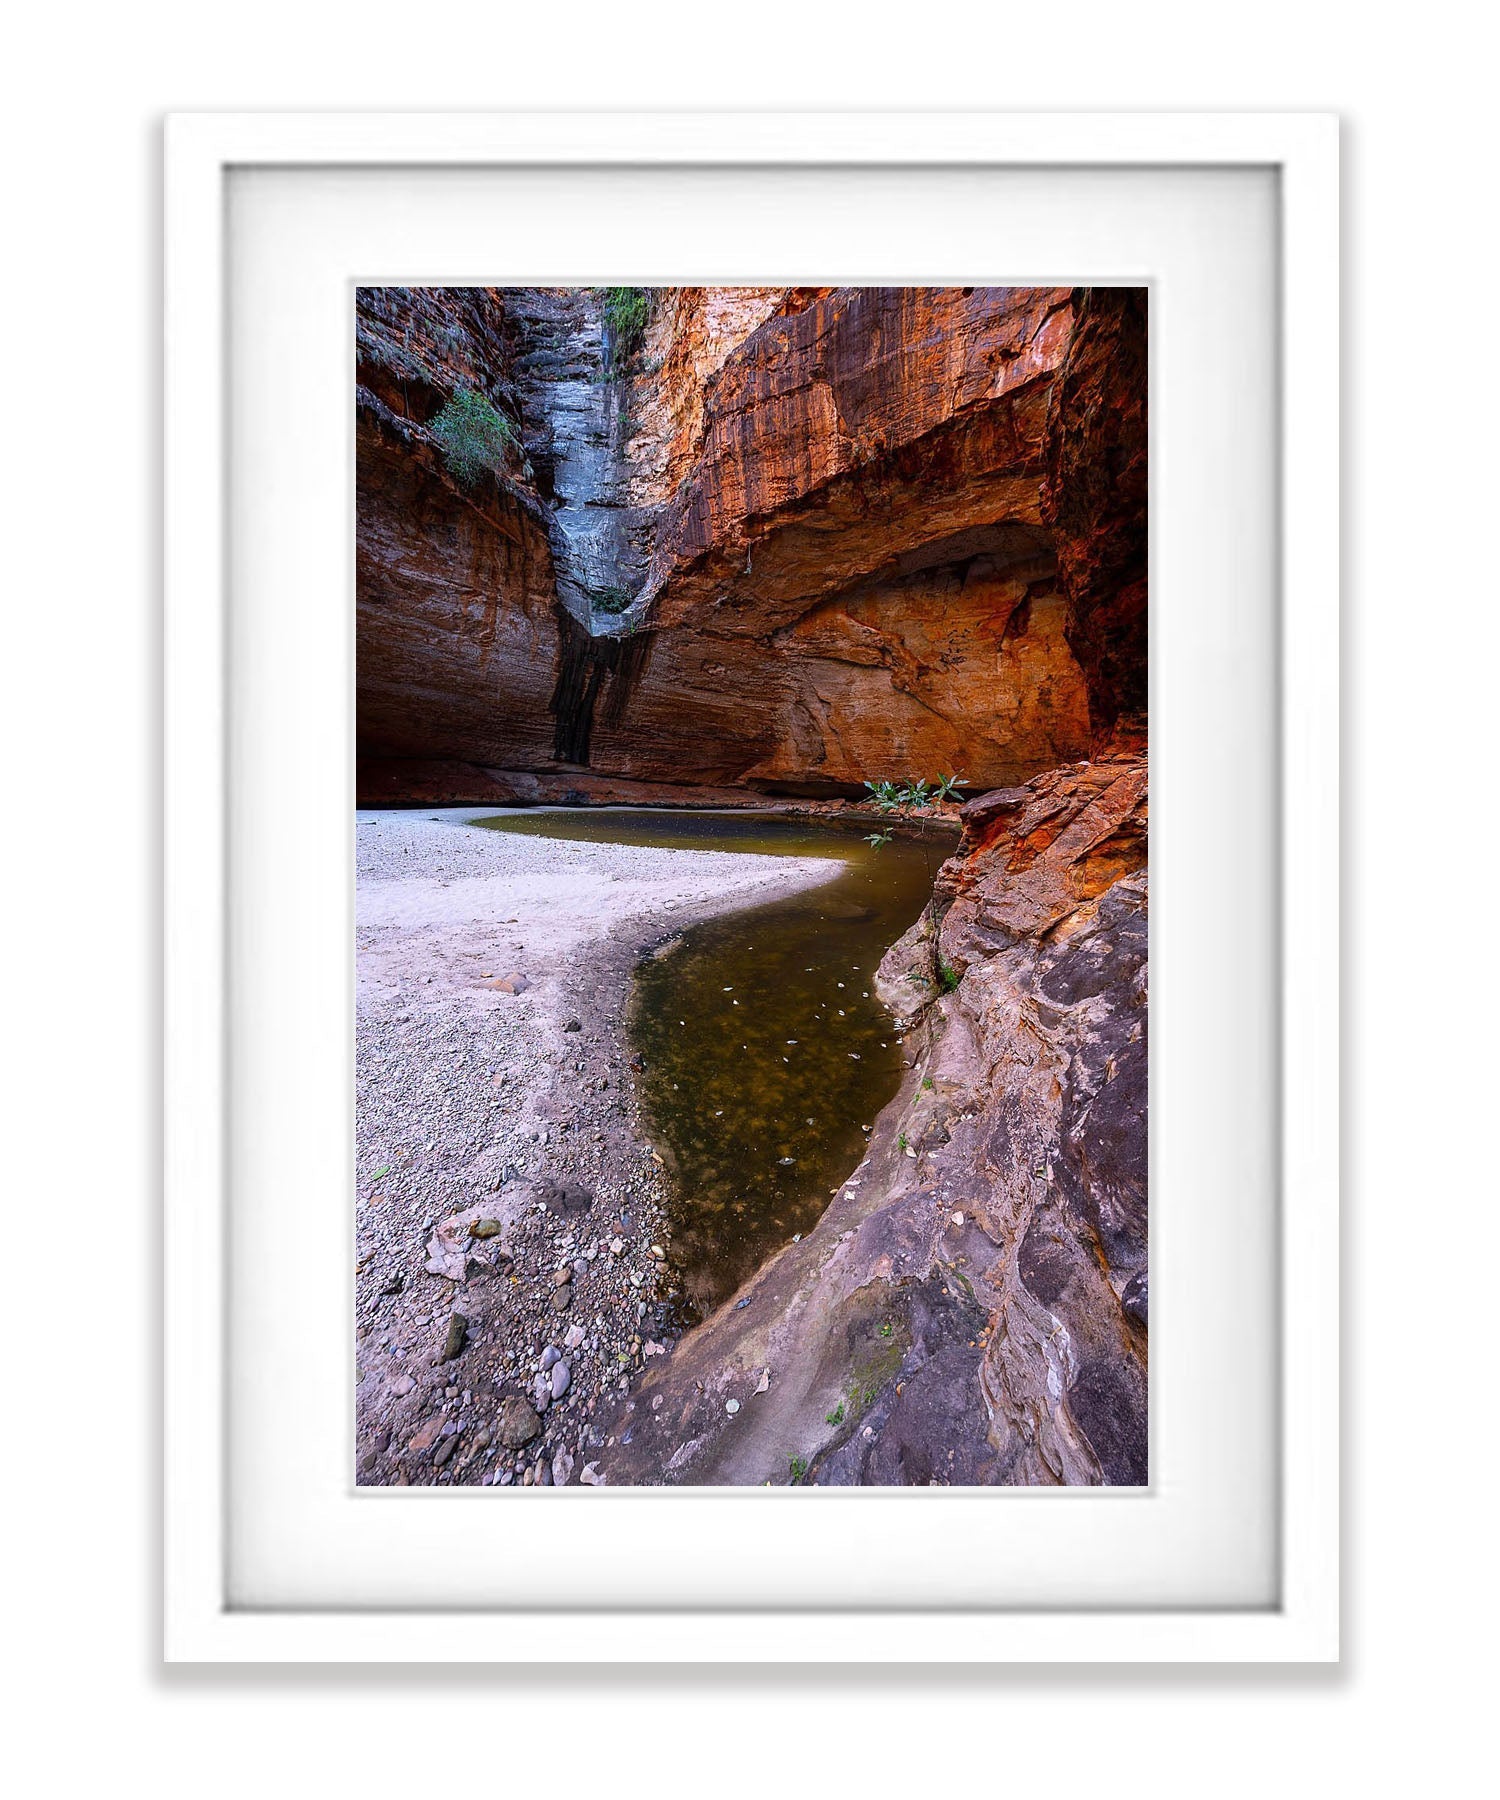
(787, 541)
(809, 541)
(972, 1307)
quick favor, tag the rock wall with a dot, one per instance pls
(823, 510)
(1094, 500)
(456, 637)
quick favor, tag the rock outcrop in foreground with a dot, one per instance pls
(972, 1308)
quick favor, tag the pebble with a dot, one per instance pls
(515, 1422)
(562, 1298)
(562, 1378)
(550, 1355)
(731, 1406)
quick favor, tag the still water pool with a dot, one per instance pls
(767, 1055)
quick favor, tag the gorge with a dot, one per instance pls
(758, 548)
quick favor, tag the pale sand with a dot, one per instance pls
(465, 1091)
(434, 896)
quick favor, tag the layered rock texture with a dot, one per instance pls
(799, 539)
(972, 1308)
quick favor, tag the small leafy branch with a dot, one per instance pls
(474, 436)
(902, 797)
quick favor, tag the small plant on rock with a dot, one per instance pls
(899, 798)
(474, 436)
(626, 310)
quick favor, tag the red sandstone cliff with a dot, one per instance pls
(851, 572)
(455, 590)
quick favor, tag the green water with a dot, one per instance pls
(766, 1052)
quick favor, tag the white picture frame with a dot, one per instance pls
(202, 1620)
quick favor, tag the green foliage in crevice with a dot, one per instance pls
(474, 436)
(626, 311)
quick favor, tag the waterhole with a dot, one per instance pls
(766, 1054)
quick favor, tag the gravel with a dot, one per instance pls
(495, 1099)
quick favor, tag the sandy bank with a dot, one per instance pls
(492, 1074)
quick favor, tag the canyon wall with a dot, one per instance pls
(800, 538)
(454, 581)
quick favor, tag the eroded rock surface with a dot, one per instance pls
(798, 541)
(971, 1309)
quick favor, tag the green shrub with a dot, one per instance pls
(473, 435)
(626, 310)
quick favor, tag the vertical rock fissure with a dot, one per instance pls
(586, 666)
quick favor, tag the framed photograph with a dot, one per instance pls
(668, 621)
